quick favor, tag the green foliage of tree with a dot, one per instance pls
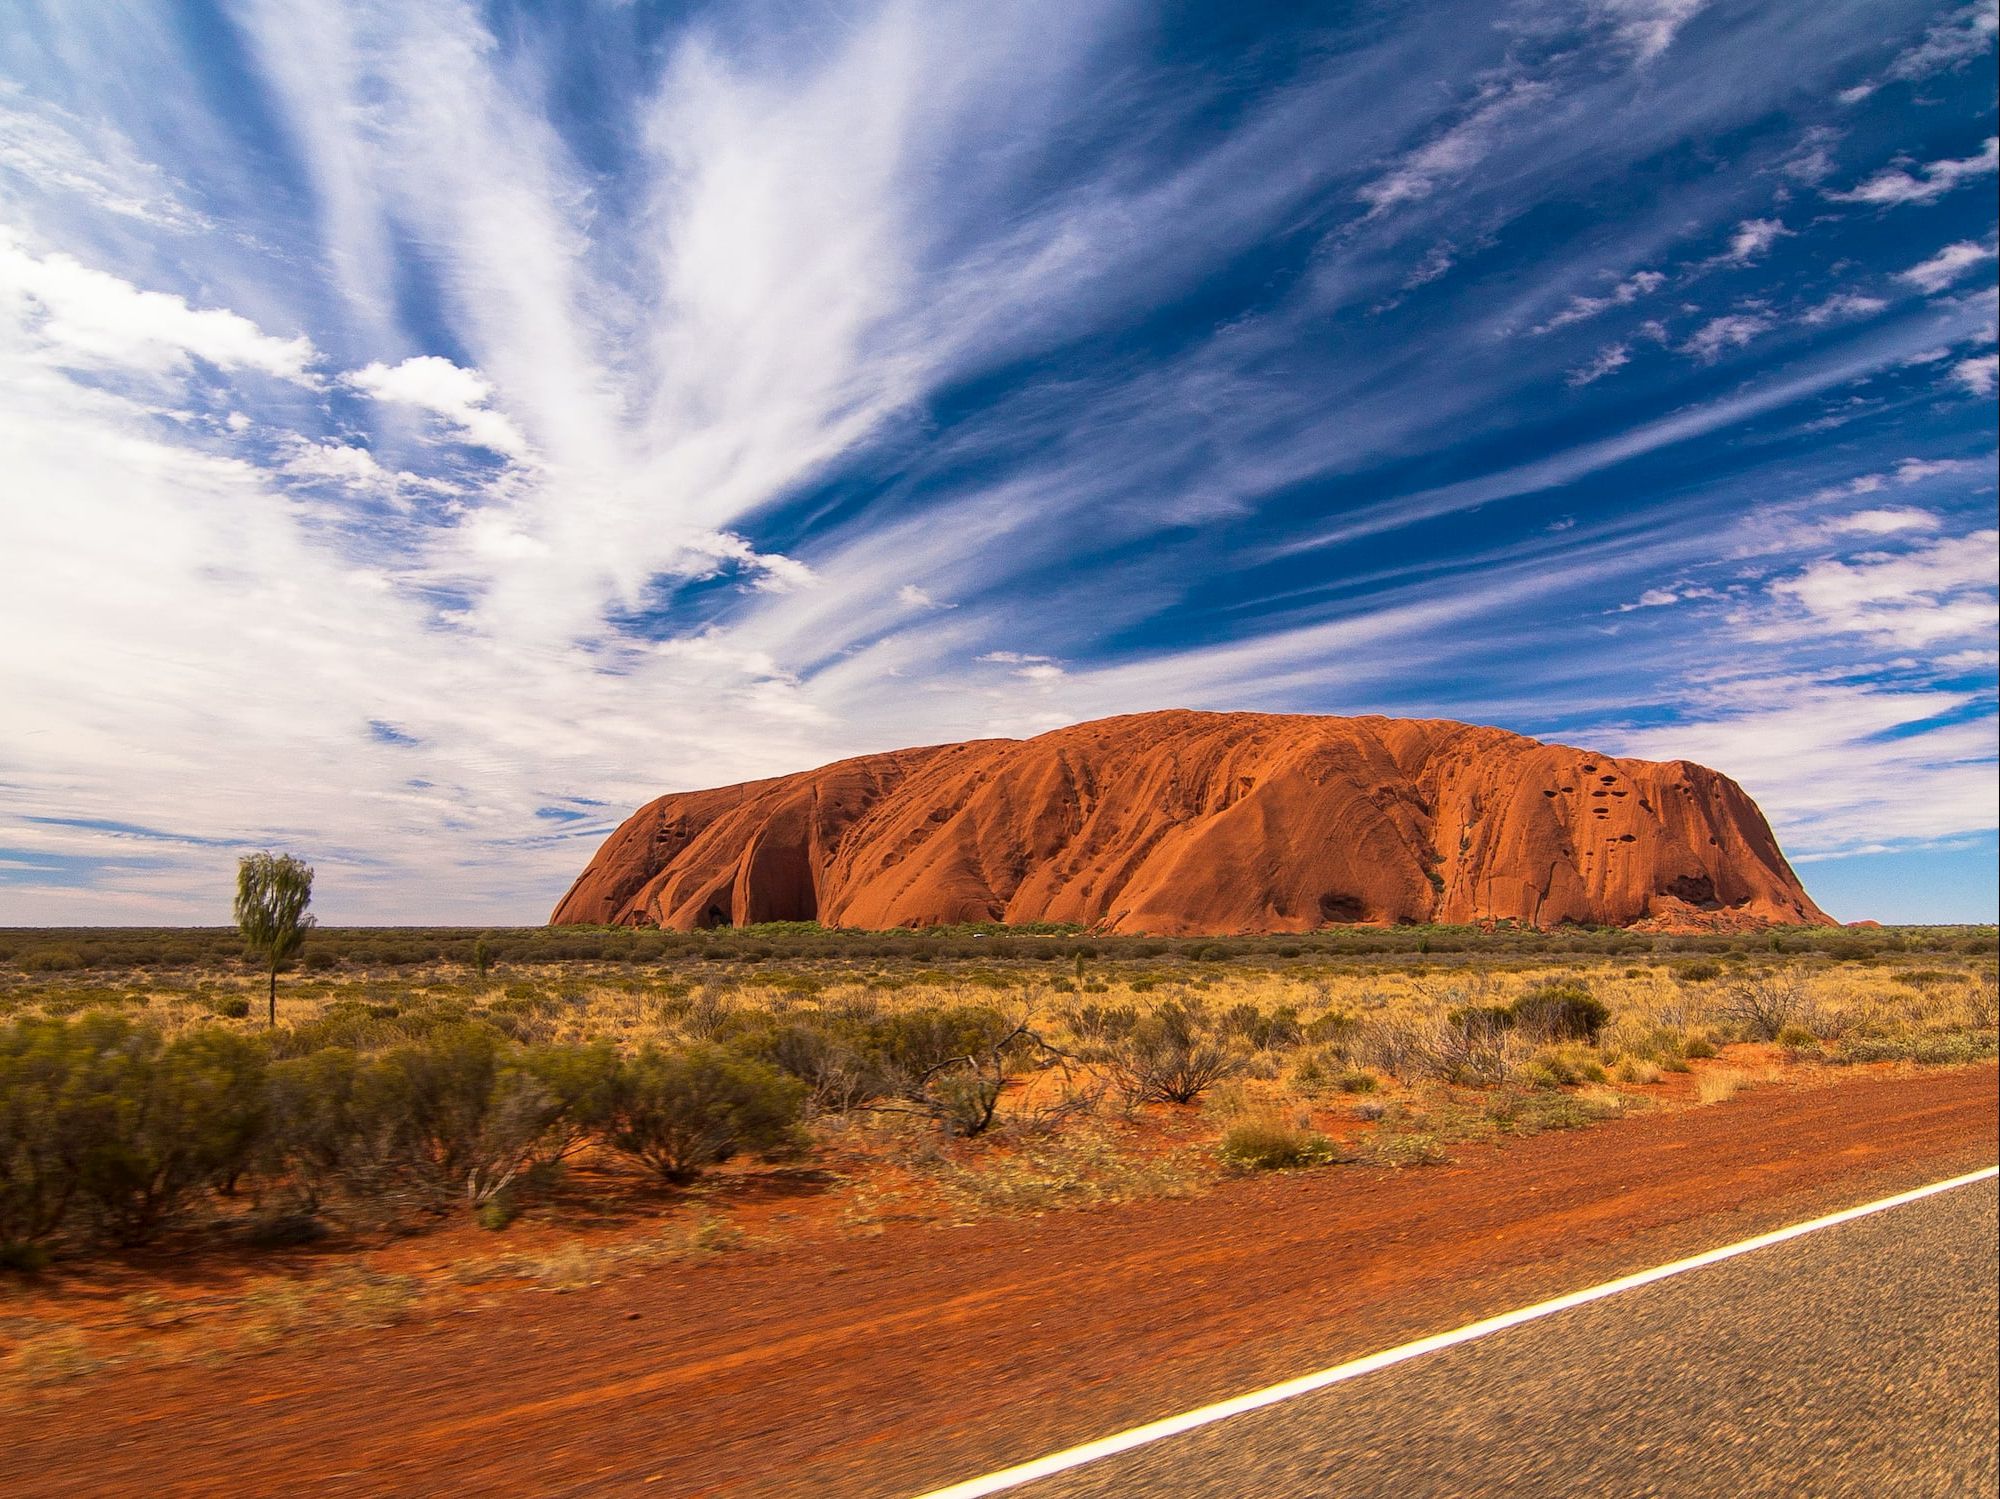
(272, 893)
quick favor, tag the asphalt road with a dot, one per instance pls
(1856, 1360)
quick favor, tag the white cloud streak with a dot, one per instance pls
(88, 318)
(1893, 186)
(1953, 261)
(462, 397)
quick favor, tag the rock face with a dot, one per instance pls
(1180, 823)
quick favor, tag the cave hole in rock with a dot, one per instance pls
(1337, 907)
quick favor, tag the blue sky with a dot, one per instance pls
(429, 430)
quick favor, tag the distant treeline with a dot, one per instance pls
(61, 949)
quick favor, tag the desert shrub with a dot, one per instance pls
(1470, 1045)
(684, 1110)
(367, 1025)
(106, 1120)
(467, 1117)
(1698, 973)
(1662, 1044)
(1983, 1003)
(821, 1054)
(1562, 1010)
(579, 1084)
(1494, 1017)
(1797, 1038)
(1272, 1145)
(1927, 1048)
(1562, 1067)
(910, 1042)
(1320, 1070)
(1335, 1028)
(1762, 1006)
(964, 1100)
(961, 1090)
(1262, 1030)
(854, 1058)
(1099, 1022)
(1531, 1113)
(42, 1127)
(327, 1128)
(1169, 1057)
(50, 960)
(1631, 1069)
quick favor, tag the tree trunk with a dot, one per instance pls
(274, 996)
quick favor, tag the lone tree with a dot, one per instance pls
(272, 893)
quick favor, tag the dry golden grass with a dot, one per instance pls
(1350, 1050)
(1720, 1084)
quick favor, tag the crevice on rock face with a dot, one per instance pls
(1184, 823)
(1696, 889)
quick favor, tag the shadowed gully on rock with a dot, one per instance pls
(1178, 823)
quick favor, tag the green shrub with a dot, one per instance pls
(42, 1123)
(327, 1129)
(50, 960)
(1278, 1028)
(1335, 1027)
(1097, 1022)
(1169, 1057)
(235, 1008)
(1562, 1010)
(851, 1058)
(1939, 1049)
(22, 1258)
(103, 1119)
(1764, 1006)
(1270, 1145)
(683, 1111)
(1481, 1017)
(467, 1117)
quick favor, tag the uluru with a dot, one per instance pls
(1185, 823)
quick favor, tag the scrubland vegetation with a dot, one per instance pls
(601, 1100)
(417, 1075)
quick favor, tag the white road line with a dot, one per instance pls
(1305, 1384)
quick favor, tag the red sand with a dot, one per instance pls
(873, 1366)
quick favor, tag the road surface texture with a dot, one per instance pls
(1856, 1360)
(889, 1365)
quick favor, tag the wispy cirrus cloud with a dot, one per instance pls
(585, 409)
(1963, 35)
(1942, 269)
(1752, 238)
(1627, 291)
(1730, 331)
(81, 316)
(1926, 183)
